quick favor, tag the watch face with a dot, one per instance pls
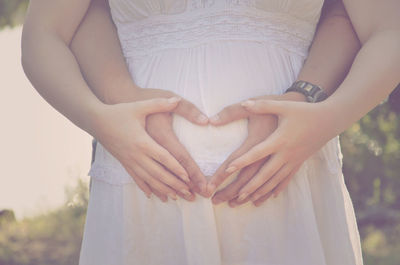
(312, 92)
(308, 88)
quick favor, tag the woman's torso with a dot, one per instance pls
(213, 53)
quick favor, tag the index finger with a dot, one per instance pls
(168, 139)
(229, 114)
(190, 112)
(221, 174)
(257, 152)
(232, 189)
(160, 154)
(197, 179)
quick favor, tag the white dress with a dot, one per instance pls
(215, 53)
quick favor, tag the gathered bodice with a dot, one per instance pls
(148, 26)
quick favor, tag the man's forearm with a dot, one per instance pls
(333, 49)
(97, 49)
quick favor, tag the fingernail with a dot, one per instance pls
(186, 192)
(215, 118)
(172, 196)
(211, 187)
(148, 195)
(248, 103)
(185, 177)
(230, 169)
(203, 187)
(242, 197)
(174, 99)
(254, 198)
(202, 118)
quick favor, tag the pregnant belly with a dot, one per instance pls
(214, 76)
(208, 145)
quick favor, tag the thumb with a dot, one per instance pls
(266, 106)
(229, 114)
(150, 106)
(190, 112)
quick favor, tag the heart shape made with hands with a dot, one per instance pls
(281, 136)
(260, 127)
(263, 161)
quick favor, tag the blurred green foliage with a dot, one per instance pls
(371, 149)
(53, 238)
(12, 12)
(371, 166)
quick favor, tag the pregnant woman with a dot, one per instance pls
(213, 54)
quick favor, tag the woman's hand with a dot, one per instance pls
(159, 127)
(121, 130)
(303, 128)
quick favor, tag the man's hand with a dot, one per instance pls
(303, 128)
(260, 126)
(159, 127)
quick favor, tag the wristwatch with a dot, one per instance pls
(312, 92)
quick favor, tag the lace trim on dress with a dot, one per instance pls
(114, 173)
(108, 169)
(160, 32)
(110, 174)
(117, 175)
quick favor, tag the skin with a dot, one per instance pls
(112, 83)
(97, 50)
(53, 70)
(58, 80)
(372, 76)
(335, 42)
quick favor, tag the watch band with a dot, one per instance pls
(312, 92)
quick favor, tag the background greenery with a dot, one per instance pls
(371, 150)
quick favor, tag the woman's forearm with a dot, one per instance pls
(373, 75)
(97, 49)
(50, 65)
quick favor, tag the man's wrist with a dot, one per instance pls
(123, 93)
(312, 92)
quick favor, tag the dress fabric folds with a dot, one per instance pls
(215, 53)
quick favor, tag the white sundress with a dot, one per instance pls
(215, 53)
